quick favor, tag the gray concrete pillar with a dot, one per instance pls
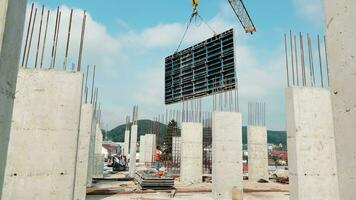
(98, 139)
(311, 145)
(12, 17)
(44, 135)
(142, 149)
(150, 146)
(91, 158)
(99, 165)
(98, 157)
(127, 143)
(133, 148)
(86, 120)
(257, 153)
(191, 168)
(340, 31)
(226, 154)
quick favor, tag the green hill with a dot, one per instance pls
(117, 134)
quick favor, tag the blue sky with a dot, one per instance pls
(128, 41)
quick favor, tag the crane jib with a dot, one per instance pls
(243, 16)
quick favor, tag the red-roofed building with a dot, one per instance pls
(281, 154)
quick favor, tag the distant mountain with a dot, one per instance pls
(144, 126)
(117, 134)
(273, 137)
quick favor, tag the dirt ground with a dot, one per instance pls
(129, 190)
(252, 191)
(191, 196)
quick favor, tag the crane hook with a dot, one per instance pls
(195, 7)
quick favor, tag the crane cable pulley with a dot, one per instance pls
(194, 15)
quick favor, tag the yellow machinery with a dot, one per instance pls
(195, 3)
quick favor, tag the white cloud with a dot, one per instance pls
(122, 24)
(100, 48)
(259, 77)
(311, 10)
(168, 35)
(152, 93)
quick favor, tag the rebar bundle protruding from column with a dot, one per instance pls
(135, 115)
(45, 39)
(39, 37)
(226, 99)
(31, 36)
(127, 125)
(36, 53)
(86, 85)
(257, 114)
(81, 42)
(27, 35)
(55, 38)
(92, 86)
(68, 40)
(191, 110)
(307, 68)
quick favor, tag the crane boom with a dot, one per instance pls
(242, 14)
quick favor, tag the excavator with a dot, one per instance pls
(240, 11)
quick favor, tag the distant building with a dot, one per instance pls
(112, 147)
(281, 154)
(245, 168)
(245, 153)
(270, 147)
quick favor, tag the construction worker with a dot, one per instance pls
(157, 158)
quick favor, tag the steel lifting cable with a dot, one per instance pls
(194, 14)
(212, 30)
(186, 30)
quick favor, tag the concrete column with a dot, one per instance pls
(91, 158)
(191, 169)
(150, 147)
(12, 16)
(98, 157)
(142, 149)
(127, 143)
(226, 154)
(83, 152)
(311, 145)
(132, 167)
(257, 153)
(98, 139)
(340, 31)
(44, 135)
(98, 165)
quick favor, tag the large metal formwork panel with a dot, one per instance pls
(150, 147)
(200, 70)
(44, 135)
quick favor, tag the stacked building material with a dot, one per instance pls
(150, 179)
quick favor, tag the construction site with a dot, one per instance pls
(80, 121)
